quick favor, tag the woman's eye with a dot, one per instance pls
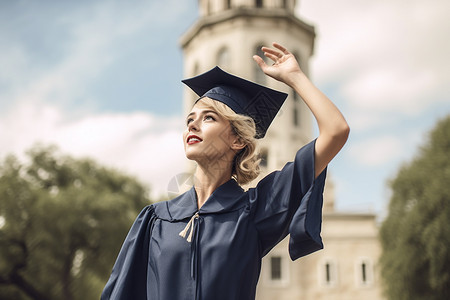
(188, 121)
(210, 118)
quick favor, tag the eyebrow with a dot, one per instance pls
(203, 112)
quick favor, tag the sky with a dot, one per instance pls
(101, 79)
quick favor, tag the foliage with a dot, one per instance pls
(416, 234)
(62, 222)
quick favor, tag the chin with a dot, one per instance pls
(190, 155)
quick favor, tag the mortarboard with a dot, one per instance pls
(242, 96)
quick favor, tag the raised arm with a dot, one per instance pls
(333, 129)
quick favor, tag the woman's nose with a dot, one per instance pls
(193, 125)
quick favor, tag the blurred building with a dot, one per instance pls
(228, 33)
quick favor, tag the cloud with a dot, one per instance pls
(77, 46)
(139, 143)
(390, 90)
(46, 93)
(386, 150)
(387, 56)
(376, 151)
(388, 60)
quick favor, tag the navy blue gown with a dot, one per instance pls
(229, 235)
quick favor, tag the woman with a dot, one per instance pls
(208, 243)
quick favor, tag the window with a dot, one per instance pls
(277, 273)
(259, 75)
(296, 109)
(259, 3)
(295, 117)
(263, 155)
(328, 273)
(195, 71)
(275, 268)
(364, 272)
(223, 57)
(227, 4)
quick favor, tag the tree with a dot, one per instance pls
(415, 236)
(62, 222)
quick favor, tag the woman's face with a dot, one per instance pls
(208, 136)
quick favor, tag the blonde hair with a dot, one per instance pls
(246, 162)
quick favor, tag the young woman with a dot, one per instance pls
(208, 242)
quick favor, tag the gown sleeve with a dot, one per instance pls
(129, 274)
(290, 202)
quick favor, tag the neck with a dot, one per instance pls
(208, 178)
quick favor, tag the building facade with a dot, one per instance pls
(228, 33)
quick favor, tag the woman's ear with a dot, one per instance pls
(238, 144)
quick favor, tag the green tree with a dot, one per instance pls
(415, 236)
(62, 222)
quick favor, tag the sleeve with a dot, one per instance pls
(129, 274)
(290, 202)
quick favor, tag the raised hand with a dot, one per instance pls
(284, 68)
(333, 129)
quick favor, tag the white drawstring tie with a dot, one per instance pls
(190, 225)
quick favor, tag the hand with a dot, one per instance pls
(285, 65)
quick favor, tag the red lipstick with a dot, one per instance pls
(193, 139)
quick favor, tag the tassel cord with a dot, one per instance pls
(189, 225)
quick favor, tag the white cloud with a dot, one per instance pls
(376, 151)
(361, 120)
(386, 65)
(140, 144)
(386, 56)
(392, 89)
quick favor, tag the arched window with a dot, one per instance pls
(264, 155)
(259, 75)
(296, 108)
(295, 116)
(296, 99)
(223, 57)
(195, 72)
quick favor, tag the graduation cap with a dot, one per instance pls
(242, 96)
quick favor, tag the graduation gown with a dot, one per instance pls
(229, 235)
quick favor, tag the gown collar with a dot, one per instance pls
(226, 197)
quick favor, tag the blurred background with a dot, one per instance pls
(100, 80)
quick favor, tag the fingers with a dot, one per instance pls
(259, 61)
(271, 53)
(281, 48)
(271, 56)
(279, 51)
(275, 54)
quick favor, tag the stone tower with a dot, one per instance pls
(228, 33)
